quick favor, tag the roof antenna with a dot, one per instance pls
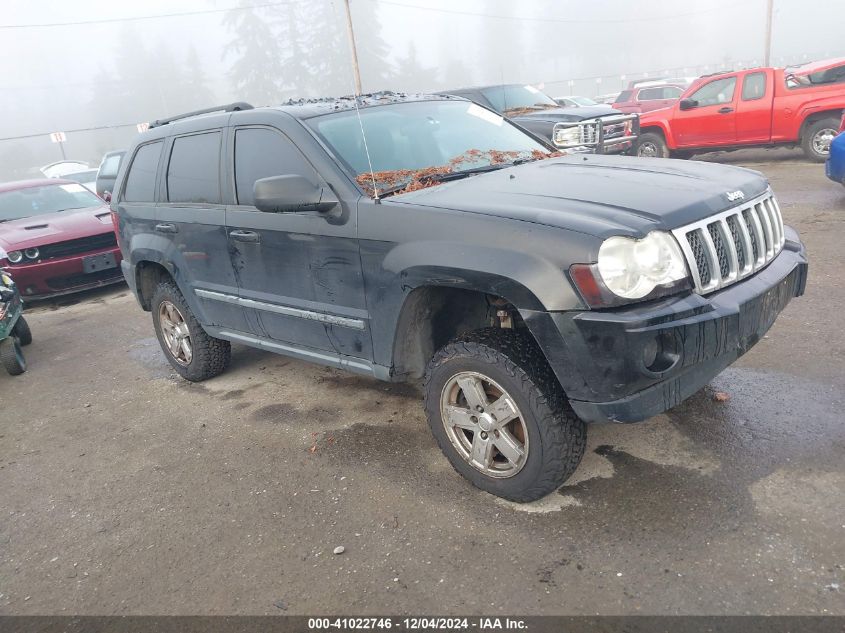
(367, 151)
(356, 78)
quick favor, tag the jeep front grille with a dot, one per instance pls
(734, 244)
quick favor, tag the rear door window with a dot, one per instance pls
(193, 174)
(754, 86)
(262, 153)
(141, 180)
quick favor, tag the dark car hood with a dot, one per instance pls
(598, 195)
(568, 114)
(54, 227)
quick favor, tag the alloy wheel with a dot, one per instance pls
(822, 139)
(174, 330)
(484, 424)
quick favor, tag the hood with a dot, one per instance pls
(49, 228)
(598, 195)
(653, 115)
(569, 114)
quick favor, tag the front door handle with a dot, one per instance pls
(725, 110)
(167, 228)
(245, 236)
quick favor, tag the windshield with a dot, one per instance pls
(507, 99)
(412, 142)
(583, 101)
(25, 203)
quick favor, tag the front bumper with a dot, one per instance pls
(628, 365)
(60, 276)
(602, 135)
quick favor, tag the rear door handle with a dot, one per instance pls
(725, 110)
(167, 228)
(245, 236)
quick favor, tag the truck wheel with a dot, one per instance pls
(651, 145)
(817, 137)
(194, 354)
(22, 331)
(500, 416)
(11, 356)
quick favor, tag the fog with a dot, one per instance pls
(71, 66)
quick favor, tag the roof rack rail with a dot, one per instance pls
(230, 107)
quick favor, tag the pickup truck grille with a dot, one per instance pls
(734, 244)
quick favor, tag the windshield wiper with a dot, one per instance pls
(444, 177)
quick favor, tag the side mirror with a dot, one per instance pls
(291, 193)
(107, 196)
(688, 104)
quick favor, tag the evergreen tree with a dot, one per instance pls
(412, 76)
(257, 73)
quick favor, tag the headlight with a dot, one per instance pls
(567, 136)
(634, 268)
(629, 269)
(14, 256)
(31, 253)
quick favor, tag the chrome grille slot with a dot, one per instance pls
(734, 244)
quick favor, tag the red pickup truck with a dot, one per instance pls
(756, 107)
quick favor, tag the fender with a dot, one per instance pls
(525, 279)
(528, 282)
(790, 128)
(662, 125)
(150, 248)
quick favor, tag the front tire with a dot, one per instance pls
(189, 349)
(499, 415)
(817, 137)
(22, 331)
(11, 356)
(652, 145)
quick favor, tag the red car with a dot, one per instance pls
(645, 98)
(800, 105)
(56, 237)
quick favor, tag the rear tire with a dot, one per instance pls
(193, 353)
(520, 408)
(11, 356)
(817, 137)
(652, 145)
(22, 331)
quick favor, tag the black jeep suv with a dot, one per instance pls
(427, 238)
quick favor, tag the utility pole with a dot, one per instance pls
(355, 70)
(767, 56)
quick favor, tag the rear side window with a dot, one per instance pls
(649, 94)
(754, 86)
(110, 165)
(141, 181)
(193, 174)
(262, 153)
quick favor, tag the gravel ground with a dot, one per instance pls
(126, 490)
